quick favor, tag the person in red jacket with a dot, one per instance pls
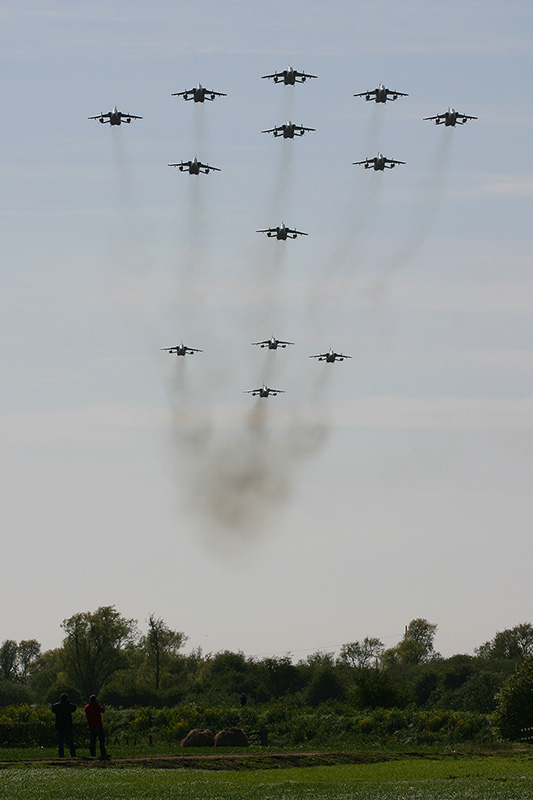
(93, 712)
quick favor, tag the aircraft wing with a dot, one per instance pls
(169, 349)
(280, 341)
(304, 74)
(465, 116)
(273, 130)
(274, 75)
(302, 128)
(364, 94)
(181, 164)
(217, 94)
(341, 355)
(300, 233)
(398, 94)
(393, 161)
(208, 167)
(274, 392)
(267, 230)
(437, 116)
(182, 94)
(320, 355)
(366, 161)
(100, 116)
(130, 116)
(192, 350)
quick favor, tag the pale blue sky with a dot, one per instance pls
(392, 486)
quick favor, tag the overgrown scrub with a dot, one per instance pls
(331, 724)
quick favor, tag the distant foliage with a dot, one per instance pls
(514, 711)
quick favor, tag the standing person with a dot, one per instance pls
(63, 711)
(93, 712)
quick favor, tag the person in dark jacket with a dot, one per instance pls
(63, 725)
(93, 712)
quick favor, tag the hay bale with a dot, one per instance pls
(199, 738)
(231, 737)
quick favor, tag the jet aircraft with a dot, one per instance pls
(182, 350)
(330, 356)
(195, 167)
(450, 118)
(289, 130)
(282, 233)
(264, 391)
(199, 94)
(115, 117)
(379, 162)
(381, 94)
(273, 343)
(289, 76)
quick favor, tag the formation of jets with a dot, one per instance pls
(289, 130)
(381, 94)
(198, 94)
(379, 162)
(288, 77)
(115, 117)
(282, 233)
(195, 167)
(450, 118)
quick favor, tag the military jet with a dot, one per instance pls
(182, 350)
(379, 162)
(115, 117)
(282, 233)
(195, 167)
(199, 94)
(289, 76)
(289, 130)
(264, 391)
(450, 118)
(330, 356)
(273, 343)
(381, 94)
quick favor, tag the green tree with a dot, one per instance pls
(94, 647)
(8, 660)
(28, 653)
(510, 644)
(514, 710)
(360, 655)
(160, 644)
(422, 632)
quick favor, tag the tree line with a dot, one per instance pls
(104, 653)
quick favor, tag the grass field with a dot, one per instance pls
(481, 778)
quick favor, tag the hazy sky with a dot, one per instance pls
(391, 486)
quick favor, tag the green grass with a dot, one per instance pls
(485, 778)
